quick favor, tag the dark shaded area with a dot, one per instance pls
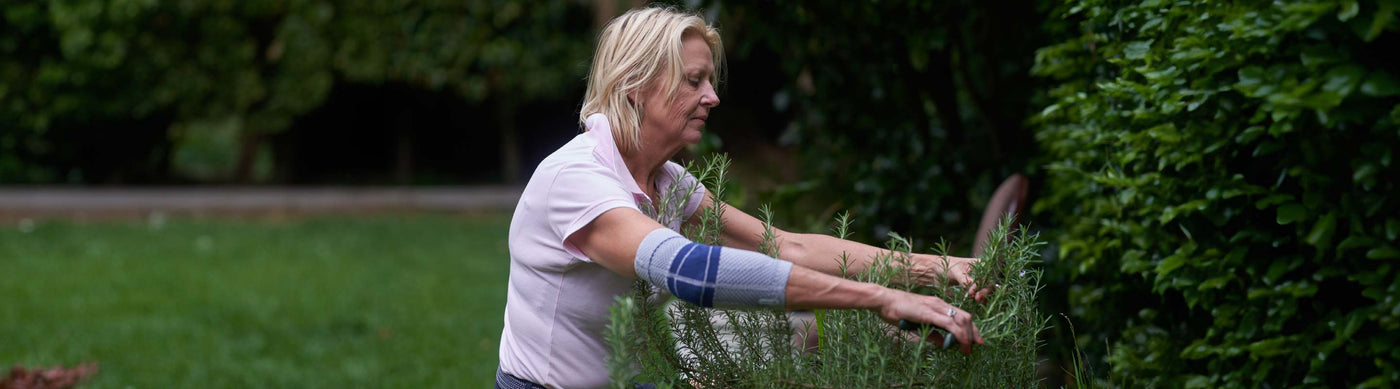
(907, 114)
(114, 152)
(545, 126)
(390, 134)
(363, 135)
(395, 134)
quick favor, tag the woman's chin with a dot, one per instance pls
(692, 136)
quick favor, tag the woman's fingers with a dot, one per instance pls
(963, 329)
(969, 336)
(960, 272)
(981, 293)
(933, 310)
(958, 269)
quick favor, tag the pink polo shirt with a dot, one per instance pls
(558, 299)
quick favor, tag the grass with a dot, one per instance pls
(381, 301)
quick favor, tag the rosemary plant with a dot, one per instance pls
(676, 344)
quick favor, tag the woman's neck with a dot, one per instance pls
(644, 169)
(645, 164)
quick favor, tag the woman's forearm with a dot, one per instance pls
(823, 253)
(811, 289)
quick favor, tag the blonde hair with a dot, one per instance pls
(633, 50)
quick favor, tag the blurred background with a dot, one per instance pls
(1186, 162)
(143, 93)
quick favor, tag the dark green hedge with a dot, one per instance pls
(1222, 180)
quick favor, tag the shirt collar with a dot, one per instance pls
(607, 152)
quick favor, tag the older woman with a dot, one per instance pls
(580, 236)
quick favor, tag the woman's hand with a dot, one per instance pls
(947, 270)
(896, 305)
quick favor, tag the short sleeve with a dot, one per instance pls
(687, 180)
(579, 194)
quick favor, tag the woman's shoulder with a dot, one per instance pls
(676, 171)
(576, 163)
(579, 150)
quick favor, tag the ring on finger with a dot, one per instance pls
(952, 313)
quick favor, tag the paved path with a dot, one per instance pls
(18, 202)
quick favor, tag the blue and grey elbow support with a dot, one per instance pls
(711, 276)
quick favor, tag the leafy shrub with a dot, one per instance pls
(856, 350)
(1223, 179)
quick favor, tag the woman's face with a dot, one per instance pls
(672, 125)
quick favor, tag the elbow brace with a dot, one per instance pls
(711, 276)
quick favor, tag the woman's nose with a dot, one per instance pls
(708, 98)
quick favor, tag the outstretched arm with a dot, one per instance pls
(619, 237)
(822, 252)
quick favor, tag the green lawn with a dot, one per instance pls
(376, 301)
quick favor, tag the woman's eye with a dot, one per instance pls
(695, 82)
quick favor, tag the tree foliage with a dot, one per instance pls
(222, 74)
(1221, 177)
